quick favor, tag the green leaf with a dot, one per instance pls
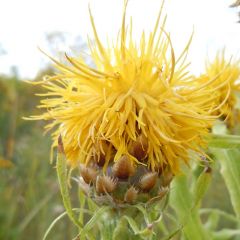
(63, 182)
(82, 201)
(93, 221)
(214, 217)
(181, 200)
(172, 234)
(121, 231)
(201, 186)
(225, 234)
(230, 170)
(144, 233)
(212, 221)
(144, 212)
(59, 218)
(28, 219)
(224, 141)
(227, 216)
(132, 224)
(53, 224)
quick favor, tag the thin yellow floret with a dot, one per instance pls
(226, 85)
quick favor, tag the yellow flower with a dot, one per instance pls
(138, 103)
(227, 83)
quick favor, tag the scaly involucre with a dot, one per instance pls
(136, 90)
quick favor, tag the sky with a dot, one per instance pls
(24, 25)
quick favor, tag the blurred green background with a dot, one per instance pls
(29, 193)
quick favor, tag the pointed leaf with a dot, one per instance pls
(224, 141)
(93, 221)
(59, 218)
(226, 234)
(63, 182)
(230, 170)
(202, 184)
(181, 200)
(132, 224)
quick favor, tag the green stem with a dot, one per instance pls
(63, 182)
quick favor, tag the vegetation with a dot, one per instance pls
(30, 197)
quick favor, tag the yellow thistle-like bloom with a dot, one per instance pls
(138, 104)
(227, 84)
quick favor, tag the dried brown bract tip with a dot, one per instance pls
(167, 177)
(148, 181)
(123, 168)
(60, 145)
(88, 174)
(140, 147)
(131, 195)
(105, 184)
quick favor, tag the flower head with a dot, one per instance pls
(138, 104)
(226, 84)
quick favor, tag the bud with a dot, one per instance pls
(105, 184)
(148, 181)
(139, 148)
(88, 174)
(123, 168)
(131, 195)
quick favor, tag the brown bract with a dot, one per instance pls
(105, 184)
(123, 168)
